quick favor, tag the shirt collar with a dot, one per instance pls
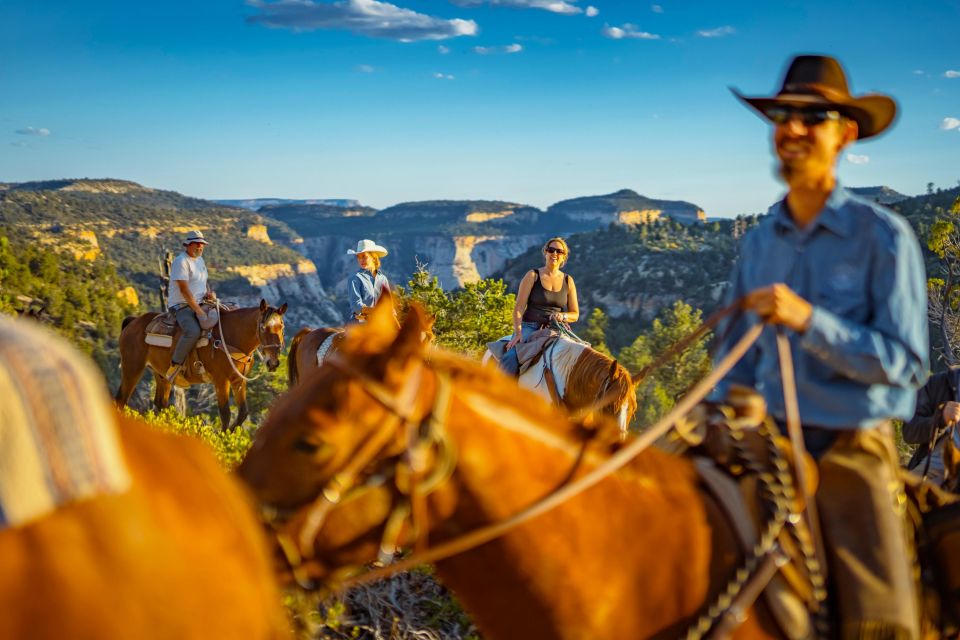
(831, 216)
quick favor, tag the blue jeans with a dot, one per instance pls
(509, 362)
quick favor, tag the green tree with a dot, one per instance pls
(659, 392)
(944, 292)
(596, 331)
(464, 320)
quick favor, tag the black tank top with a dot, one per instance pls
(542, 302)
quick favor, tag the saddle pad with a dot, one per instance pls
(163, 340)
(57, 425)
(325, 347)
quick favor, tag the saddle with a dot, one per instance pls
(162, 330)
(745, 465)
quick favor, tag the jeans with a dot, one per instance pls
(187, 320)
(509, 362)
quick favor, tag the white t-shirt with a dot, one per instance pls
(191, 270)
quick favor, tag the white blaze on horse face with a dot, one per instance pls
(622, 420)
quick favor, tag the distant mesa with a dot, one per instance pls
(255, 204)
(456, 211)
(881, 195)
(88, 185)
(627, 207)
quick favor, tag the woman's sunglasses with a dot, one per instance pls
(555, 250)
(807, 115)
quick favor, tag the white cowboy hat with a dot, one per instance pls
(368, 246)
(194, 236)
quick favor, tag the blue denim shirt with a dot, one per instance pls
(364, 290)
(866, 350)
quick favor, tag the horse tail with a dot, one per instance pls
(126, 321)
(293, 374)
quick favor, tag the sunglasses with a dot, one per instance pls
(807, 115)
(555, 250)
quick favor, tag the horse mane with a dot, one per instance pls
(585, 384)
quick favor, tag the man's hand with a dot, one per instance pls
(210, 296)
(951, 412)
(778, 304)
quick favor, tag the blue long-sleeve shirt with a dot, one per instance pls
(866, 350)
(364, 289)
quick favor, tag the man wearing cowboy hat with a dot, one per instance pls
(187, 288)
(368, 284)
(845, 279)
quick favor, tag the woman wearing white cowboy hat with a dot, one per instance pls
(368, 284)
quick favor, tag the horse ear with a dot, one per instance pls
(410, 337)
(263, 305)
(282, 309)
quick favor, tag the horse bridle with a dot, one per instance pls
(413, 480)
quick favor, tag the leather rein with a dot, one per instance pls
(296, 540)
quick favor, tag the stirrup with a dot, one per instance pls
(173, 372)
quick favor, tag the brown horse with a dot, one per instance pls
(638, 555)
(122, 531)
(245, 331)
(302, 357)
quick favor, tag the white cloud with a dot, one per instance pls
(19, 143)
(719, 32)
(567, 7)
(365, 68)
(443, 76)
(591, 11)
(627, 31)
(33, 131)
(443, 49)
(918, 72)
(656, 8)
(951, 74)
(364, 17)
(487, 51)
(853, 158)
(950, 123)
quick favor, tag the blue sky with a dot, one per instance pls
(533, 101)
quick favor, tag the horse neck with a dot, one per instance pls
(558, 575)
(241, 328)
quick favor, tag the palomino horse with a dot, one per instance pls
(638, 555)
(245, 331)
(166, 545)
(579, 375)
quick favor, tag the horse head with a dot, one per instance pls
(335, 435)
(270, 333)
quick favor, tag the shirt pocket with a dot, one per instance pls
(850, 302)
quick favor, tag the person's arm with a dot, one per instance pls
(572, 314)
(523, 296)
(188, 296)
(355, 295)
(928, 418)
(892, 349)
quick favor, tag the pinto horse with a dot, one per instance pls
(245, 331)
(127, 532)
(581, 375)
(638, 555)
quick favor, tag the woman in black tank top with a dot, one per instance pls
(545, 296)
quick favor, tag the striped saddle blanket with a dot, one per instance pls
(57, 426)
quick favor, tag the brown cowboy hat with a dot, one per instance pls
(819, 81)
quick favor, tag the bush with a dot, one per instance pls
(229, 446)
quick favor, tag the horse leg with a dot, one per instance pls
(130, 374)
(223, 402)
(240, 399)
(161, 395)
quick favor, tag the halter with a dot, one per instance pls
(261, 330)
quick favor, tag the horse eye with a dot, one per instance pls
(305, 446)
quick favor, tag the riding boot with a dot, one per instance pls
(173, 371)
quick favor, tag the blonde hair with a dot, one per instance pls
(562, 243)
